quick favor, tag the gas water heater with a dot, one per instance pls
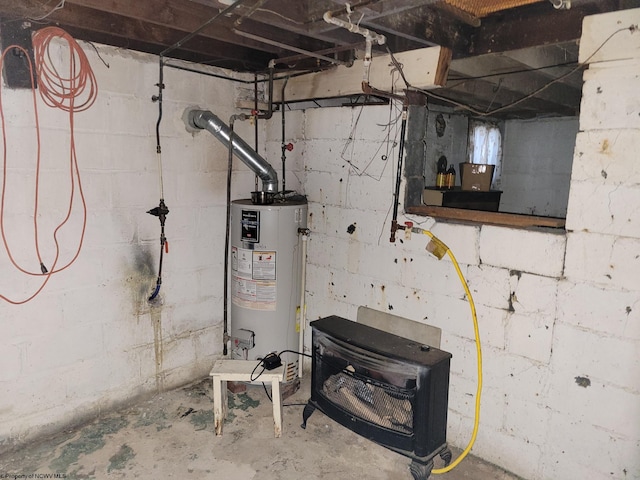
(265, 279)
(265, 258)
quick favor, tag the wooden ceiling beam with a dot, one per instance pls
(189, 16)
(499, 72)
(425, 25)
(82, 15)
(484, 96)
(531, 26)
(250, 62)
(120, 31)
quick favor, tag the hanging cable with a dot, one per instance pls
(73, 92)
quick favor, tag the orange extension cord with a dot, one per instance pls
(74, 93)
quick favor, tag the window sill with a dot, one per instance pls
(487, 218)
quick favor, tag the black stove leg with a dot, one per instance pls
(421, 471)
(306, 413)
(445, 455)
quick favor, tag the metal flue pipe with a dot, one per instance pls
(206, 120)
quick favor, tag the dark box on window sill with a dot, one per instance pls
(458, 198)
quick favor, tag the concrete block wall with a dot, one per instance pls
(598, 319)
(90, 340)
(558, 310)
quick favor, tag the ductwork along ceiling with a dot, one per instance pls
(502, 50)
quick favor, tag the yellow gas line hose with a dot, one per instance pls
(438, 249)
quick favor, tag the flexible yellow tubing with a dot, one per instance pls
(440, 248)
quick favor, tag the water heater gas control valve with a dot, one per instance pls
(243, 339)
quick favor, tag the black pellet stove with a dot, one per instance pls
(389, 389)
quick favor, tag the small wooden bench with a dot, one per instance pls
(240, 371)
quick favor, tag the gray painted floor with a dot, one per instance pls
(172, 436)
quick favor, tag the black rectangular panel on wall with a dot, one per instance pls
(15, 69)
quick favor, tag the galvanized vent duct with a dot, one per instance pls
(204, 119)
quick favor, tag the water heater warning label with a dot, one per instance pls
(253, 278)
(264, 265)
(253, 294)
(241, 262)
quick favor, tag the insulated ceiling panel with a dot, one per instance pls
(482, 8)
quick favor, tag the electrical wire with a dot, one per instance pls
(579, 66)
(439, 249)
(71, 93)
(387, 142)
(189, 36)
(261, 363)
(273, 12)
(59, 6)
(463, 80)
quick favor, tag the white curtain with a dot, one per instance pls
(486, 147)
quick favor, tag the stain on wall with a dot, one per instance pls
(583, 382)
(141, 276)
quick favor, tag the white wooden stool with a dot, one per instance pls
(240, 371)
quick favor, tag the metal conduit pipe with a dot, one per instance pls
(206, 120)
(267, 115)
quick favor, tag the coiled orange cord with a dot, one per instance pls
(73, 93)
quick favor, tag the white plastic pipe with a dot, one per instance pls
(365, 32)
(303, 275)
(368, 35)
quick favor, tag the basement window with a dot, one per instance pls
(532, 159)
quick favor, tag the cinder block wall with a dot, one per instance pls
(91, 340)
(559, 312)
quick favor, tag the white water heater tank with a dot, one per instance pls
(265, 279)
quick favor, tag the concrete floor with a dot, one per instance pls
(171, 436)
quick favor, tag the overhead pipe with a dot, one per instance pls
(290, 47)
(206, 120)
(267, 115)
(284, 146)
(369, 38)
(561, 4)
(396, 195)
(353, 28)
(255, 124)
(302, 56)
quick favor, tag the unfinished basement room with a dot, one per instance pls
(320, 239)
